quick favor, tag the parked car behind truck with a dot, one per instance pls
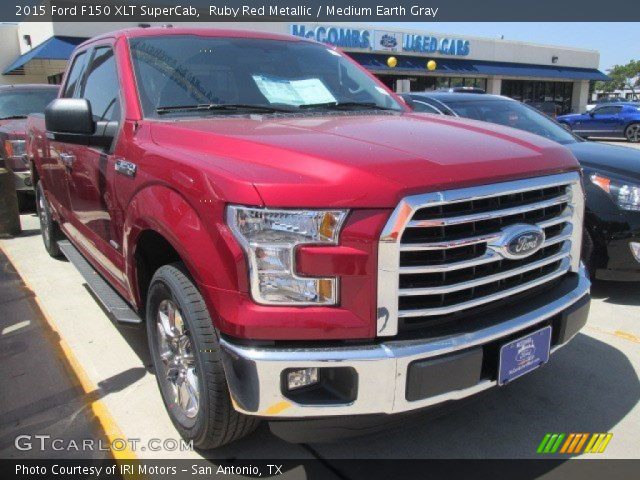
(298, 243)
(618, 120)
(16, 102)
(612, 178)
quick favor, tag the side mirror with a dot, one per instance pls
(69, 117)
(591, 113)
(70, 120)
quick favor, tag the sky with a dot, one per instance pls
(616, 42)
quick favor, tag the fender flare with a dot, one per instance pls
(166, 212)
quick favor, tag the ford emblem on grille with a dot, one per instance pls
(518, 241)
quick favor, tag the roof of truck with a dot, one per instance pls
(200, 31)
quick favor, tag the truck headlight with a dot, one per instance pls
(269, 239)
(625, 194)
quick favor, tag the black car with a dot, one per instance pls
(611, 248)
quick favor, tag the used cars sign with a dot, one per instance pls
(378, 40)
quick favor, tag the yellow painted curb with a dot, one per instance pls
(99, 409)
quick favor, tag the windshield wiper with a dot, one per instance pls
(209, 107)
(345, 105)
(13, 117)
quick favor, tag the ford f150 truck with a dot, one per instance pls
(299, 243)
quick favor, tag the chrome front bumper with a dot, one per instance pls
(254, 375)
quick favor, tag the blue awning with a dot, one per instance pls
(449, 66)
(55, 48)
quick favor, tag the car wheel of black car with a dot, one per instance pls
(632, 133)
(49, 228)
(185, 351)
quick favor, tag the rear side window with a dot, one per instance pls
(74, 75)
(607, 110)
(101, 86)
(424, 107)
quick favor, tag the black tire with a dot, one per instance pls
(632, 133)
(216, 422)
(49, 228)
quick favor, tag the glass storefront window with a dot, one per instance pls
(442, 82)
(422, 84)
(425, 83)
(542, 95)
(388, 80)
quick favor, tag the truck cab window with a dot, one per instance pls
(101, 86)
(74, 75)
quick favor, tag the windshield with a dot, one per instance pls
(512, 114)
(187, 71)
(20, 103)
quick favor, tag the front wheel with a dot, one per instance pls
(186, 356)
(632, 133)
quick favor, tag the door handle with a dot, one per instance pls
(68, 160)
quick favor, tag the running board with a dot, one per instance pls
(115, 305)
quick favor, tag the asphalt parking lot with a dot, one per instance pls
(591, 385)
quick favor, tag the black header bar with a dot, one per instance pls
(320, 10)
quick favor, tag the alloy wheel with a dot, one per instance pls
(176, 352)
(44, 219)
(633, 133)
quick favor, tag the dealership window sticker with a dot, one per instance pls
(294, 92)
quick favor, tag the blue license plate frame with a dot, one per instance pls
(523, 355)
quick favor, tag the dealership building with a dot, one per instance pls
(38, 53)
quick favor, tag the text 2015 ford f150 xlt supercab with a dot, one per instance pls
(298, 242)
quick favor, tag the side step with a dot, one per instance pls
(115, 305)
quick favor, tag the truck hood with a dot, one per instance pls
(14, 128)
(359, 160)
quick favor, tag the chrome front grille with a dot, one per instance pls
(438, 255)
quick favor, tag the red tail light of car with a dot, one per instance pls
(15, 155)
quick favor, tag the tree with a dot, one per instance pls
(622, 76)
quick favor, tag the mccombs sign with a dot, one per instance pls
(348, 37)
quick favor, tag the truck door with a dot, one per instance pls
(93, 168)
(56, 157)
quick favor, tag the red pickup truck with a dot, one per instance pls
(16, 102)
(298, 242)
